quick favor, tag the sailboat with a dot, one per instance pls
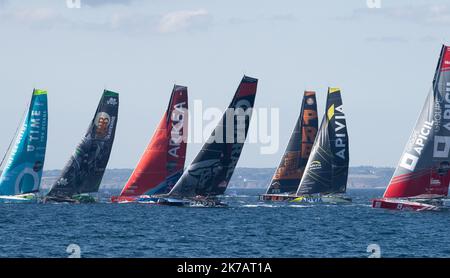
(84, 171)
(421, 179)
(22, 165)
(325, 177)
(287, 177)
(208, 175)
(162, 163)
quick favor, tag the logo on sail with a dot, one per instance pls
(202, 172)
(176, 134)
(37, 120)
(102, 121)
(341, 134)
(414, 150)
(310, 101)
(315, 165)
(112, 101)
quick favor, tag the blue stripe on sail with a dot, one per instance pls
(23, 170)
(163, 187)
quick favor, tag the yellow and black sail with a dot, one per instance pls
(327, 168)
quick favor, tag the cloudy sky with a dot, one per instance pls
(382, 58)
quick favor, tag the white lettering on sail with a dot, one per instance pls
(341, 137)
(176, 133)
(34, 131)
(441, 146)
(446, 114)
(409, 160)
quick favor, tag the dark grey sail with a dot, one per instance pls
(211, 170)
(84, 171)
(290, 171)
(327, 168)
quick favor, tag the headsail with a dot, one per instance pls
(327, 168)
(290, 171)
(162, 163)
(211, 170)
(22, 171)
(424, 166)
(84, 171)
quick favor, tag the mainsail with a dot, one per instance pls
(84, 171)
(211, 170)
(327, 168)
(423, 170)
(162, 163)
(22, 170)
(289, 173)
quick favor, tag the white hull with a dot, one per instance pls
(19, 199)
(327, 199)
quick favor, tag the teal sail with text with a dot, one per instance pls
(23, 164)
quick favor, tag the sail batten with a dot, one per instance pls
(84, 171)
(327, 168)
(211, 170)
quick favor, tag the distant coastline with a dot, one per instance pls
(251, 178)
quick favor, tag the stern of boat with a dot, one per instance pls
(30, 198)
(276, 198)
(405, 205)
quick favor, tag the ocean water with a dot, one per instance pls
(247, 228)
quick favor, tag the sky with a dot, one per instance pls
(382, 58)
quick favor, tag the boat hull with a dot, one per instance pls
(276, 197)
(198, 203)
(143, 199)
(48, 199)
(19, 199)
(123, 199)
(327, 199)
(405, 205)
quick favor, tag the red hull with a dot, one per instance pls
(397, 204)
(276, 198)
(123, 199)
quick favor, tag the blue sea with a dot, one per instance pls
(247, 228)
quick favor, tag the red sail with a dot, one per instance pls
(163, 161)
(428, 183)
(423, 170)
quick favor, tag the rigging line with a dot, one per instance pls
(15, 136)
